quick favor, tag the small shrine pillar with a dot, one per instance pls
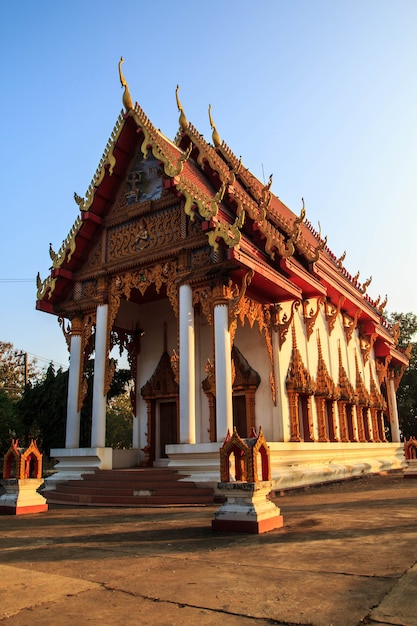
(410, 453)
(245, 474)
(98, 426)
(22, 477)
(223, 367)
(187, 365)
(72, 437)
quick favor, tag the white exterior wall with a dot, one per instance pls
(252, 345)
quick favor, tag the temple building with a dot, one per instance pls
(233, 313)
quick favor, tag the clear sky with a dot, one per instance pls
(321, 93)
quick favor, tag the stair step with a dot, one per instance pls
(133, 487)
(132, 501)
(138, 490)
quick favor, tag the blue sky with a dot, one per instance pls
(321, 93)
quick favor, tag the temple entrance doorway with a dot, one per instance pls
(239, 415)
(166, 427)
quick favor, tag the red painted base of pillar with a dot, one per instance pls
(23, 510)
(241, 526)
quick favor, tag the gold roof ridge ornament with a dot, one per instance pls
(182, 120)
(127, 99)
(215, 135)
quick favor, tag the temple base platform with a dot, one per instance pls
(294, 464)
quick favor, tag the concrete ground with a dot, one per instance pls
(346, 556)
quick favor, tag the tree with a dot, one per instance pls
(10, 424)
(16, 370)
(407, 389)
(43, 409)
(119, 421)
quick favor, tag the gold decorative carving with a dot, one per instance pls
(230, 233)
(282, 325)
(215, 134)
(299, 383)
(332, 312)
(122, 285)
(183, 120)
(366, 285)
(396, 332)
(366, 343)
(310, 316)
(350, 324)
(382, 369)
(325, 390)
(324, 384)
(67, 248)
(144, 233)
(127, 99)
(87, 346)
(235, 303)
(376, 398)
(383, 305)
(175, 365)
(341, 259)
(204, 297)
(347, 392)
(266, 197)
(66, 331)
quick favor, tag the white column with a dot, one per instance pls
(187, 365)
(98, 426)
(223, 361)
(72, 437)
(395, 427)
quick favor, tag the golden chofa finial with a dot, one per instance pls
(183, 120)
(340, 260)
(215, 135)
(127, 100)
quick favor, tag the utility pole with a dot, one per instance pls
(25, 368)
(25, 365)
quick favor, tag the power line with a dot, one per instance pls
(17, 280)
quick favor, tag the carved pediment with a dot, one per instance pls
(162, 382)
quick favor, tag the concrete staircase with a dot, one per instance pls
(130, 488)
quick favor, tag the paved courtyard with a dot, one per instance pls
(346, 556)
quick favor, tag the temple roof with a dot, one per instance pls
(233, 208)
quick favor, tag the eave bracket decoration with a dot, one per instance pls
(350, 324)
(310, 316)
(281, 325)
(230, 233)
(332, 312)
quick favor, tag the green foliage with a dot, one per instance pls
(42, 410)
(10, 425)
(16, 369)
(119, 422)
(407, 390)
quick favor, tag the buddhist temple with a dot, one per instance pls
(232, 310)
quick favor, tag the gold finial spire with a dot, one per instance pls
(215, 135)
(183, 120)
(127, 99)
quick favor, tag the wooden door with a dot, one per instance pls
(168, 430)
(239, 416)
